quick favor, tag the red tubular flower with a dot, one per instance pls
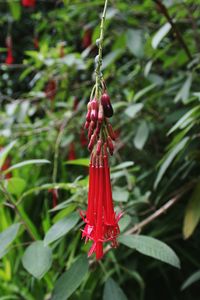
(28, 3)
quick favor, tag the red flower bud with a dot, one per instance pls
(107, 107)
(100, 114)
(99, 145)
(110, 145)
(94, 110)
(86, 125)
(111, 131)
(92, 142)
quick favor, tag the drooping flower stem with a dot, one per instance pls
(98, 60)
(101, 221)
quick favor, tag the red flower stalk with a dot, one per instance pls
(9, 57)
(72, 152)
(100, 217)
(28, 3)
(54, 193)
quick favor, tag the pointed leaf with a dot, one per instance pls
(61, 228)
(151, 247)
(191, 279)
(113, 291)
(37, 259)
(170, 157)
(141, 136)
(25, 163)
(7, 237)
(160, 34)
(192, 213)
(71, 279)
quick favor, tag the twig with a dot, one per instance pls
(162, 8)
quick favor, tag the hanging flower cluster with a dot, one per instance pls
(9, 57)
(100, 217)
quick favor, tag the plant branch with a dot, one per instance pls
(163, 10)
(100, 45)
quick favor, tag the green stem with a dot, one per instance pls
(99, 61)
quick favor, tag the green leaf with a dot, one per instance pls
(4, 152)
(124, 222)
(168, 160)
(15, 8)
(143, 91)
(192, 213)
(111, 58)
(27, 162)
(47, 186)
(135, 42)
(132, 110)
(151, 247)
(7, 237)
(120, 194)
(79, 162)
(61, 228)
(113, 291)
(141, 136)
(184, 92)
(160, 34)
(37, 259)
(15, 185)
(191, 279)
(123, 165)
(71, 279)
(183, 121)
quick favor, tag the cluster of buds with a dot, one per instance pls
(100, 218)
(100, 131)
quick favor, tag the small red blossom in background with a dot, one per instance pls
(28, 3)
(9, 58)
(101, 221)
(87, 38)
(50, 90)
(6, 165)
(72, 152)
(54, 193)
(36, 42)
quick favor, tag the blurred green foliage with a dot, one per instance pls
(152, 75)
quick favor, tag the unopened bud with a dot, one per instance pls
(110, 145)
(107, 107)
(92, 142)
(99, 145)
(111, 131)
